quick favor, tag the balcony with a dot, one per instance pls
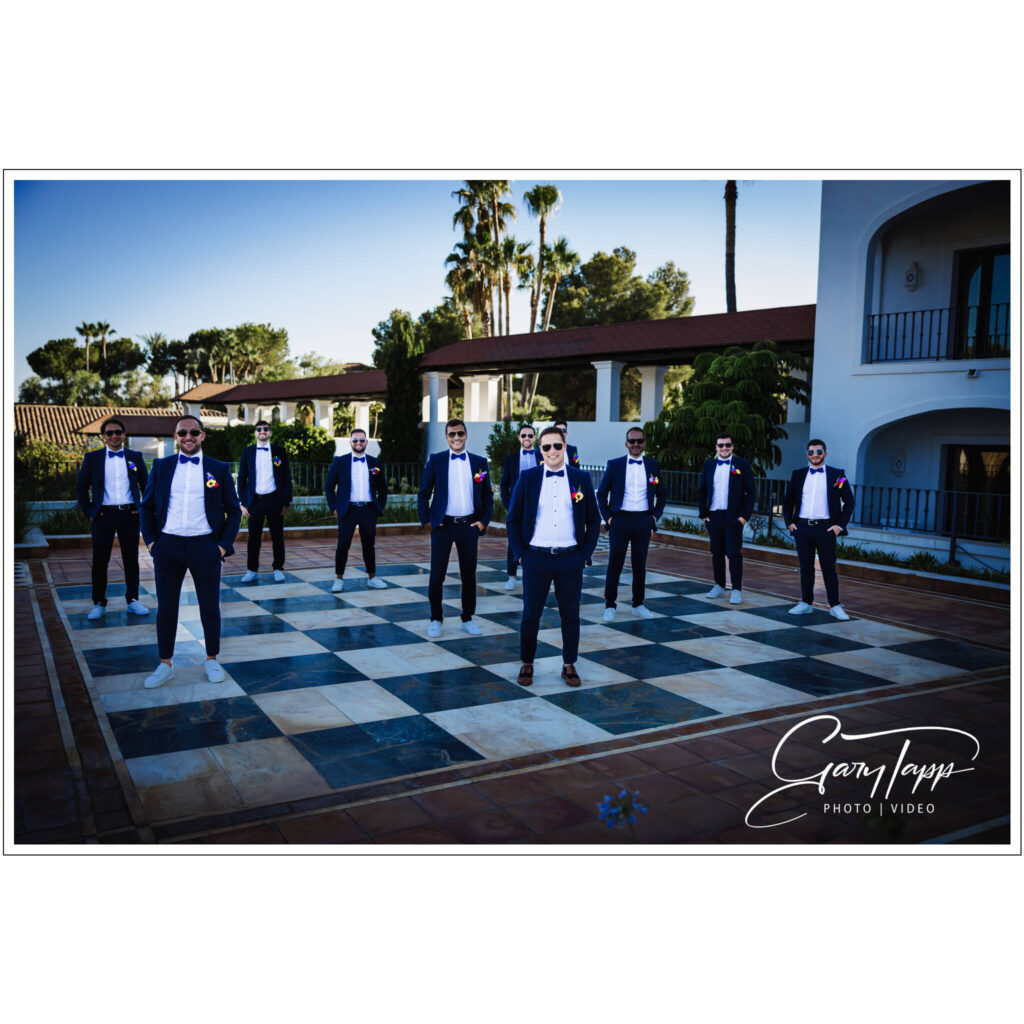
(960, 332)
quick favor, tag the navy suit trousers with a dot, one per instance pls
(541, 568)
(628, 530)
(466, 539)
(726, 533)
(365, 517)
(106, 524)
(820, 539)
(265, 507)
(172, 557)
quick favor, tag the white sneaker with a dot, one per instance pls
(214, 672)
(98, 611)
(339, 586)
(716, 591)
(736, 597)
(836, 611)
(278, 576)
(510, 583)
(471, 628)
(376, 583)
(136, 607)
(159, 677)
(250, 576)
(643, 613)
(609, 615)
(803, 608)
(434, 629)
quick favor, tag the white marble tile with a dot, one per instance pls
(875, 634)
(547, 674)
(137, 697)
(890, 665)
(402, 660)
(192, 685)
(492, 605)
(228, 610)
(340, 616)
(731, 649)
(269, 645)
(179, 766)
(370, 598)
(269, 771)
(451, 627)
(594, 637)
(325, 573)
(365, 701)
(735, 622)
(265, 591)
(207, 794)
(728, 690)
(517, 727)
(120, 636)
(294, 711)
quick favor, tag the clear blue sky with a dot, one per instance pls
(329, 259)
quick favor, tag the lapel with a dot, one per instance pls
(211, 495)
(102, 473)
(345, 474)
(578, 507)
(441, 476)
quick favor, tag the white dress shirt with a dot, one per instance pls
(814, 500)
(527, 459)
(634, 498)
(460, 487)
(554, 527)
(264, 471)
(186, 507)
(720, 488)
(116, 490)
(360, 486)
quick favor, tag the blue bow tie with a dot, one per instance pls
(356, 458)
(721, 463)
(822, 470)
(115, 455)
(636, 462)
(184, 458)
(560, 472)
(462, 456)
(262, 448)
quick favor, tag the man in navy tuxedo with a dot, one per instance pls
(818, 504)
(456, 499)
(265, 492)
(117, 477)
(190, 517)
(725, 501)
(553, 526)
(357, 492)
(572, 456)
(631, 498)
(528, 457)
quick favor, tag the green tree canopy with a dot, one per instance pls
(397, 352)
(741, 392)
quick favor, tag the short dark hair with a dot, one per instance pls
(817, 440)
(635, 430)
(181, 419)
(550, 430)
(722, 435)
(262, 423)
(564, 423)
(454, 423)
(357, 430)
(106, 423)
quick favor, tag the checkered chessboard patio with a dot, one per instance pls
(326, 691)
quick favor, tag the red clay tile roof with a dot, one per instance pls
(204, 391)
(649, 341)
(161, 425)
(62, 423)
(365, 384)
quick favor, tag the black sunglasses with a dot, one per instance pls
(547, 447)
(112, 433)
(527, 436)
(815, 451)
(724, 445)
(456, 433)
(189, 433)
(634, 440)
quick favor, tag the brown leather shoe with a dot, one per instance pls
(525, 676)
(570, 675)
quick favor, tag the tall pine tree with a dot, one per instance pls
(398, 354)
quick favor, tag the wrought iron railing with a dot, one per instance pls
(960, 332)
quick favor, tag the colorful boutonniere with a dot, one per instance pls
(277, 460)
(575, 460)
(576, 495)
(653, 481)
(133, 467)
(736, 472)
(210, 481)
(479, 477)
(374, 470)
(840, 482)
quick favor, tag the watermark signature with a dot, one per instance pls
(882, 777)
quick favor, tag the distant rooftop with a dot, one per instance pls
(64, 424)
(343, 386)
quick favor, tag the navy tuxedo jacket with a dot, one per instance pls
(339, 484)
(840, 498)
(612, 490)
(522, 515)
(92, 472)
(247, 474)
(741, 489)
(222, 510)
(572, 456)
(510, 474)
(433, 496)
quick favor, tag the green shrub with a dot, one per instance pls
(302, 443)
(65, 522)
(503, 442)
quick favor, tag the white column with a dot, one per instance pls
(285, 418)
(652, 392)
(795, 412)
(323, 414)
(362, 411)
(607, 404)
(471, 393)
(193, 408)
(437, 409)
(491, 399)
(252, 413)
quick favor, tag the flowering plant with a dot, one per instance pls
(614, 811)
(479, 477)
(576, 495)
(210, 481)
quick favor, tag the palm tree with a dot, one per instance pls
(103, 329)
(731, 193)
(561, 260)
(542, 201)
(484, 214)
(469, 258)
(87, 331)
(513, 259)
(456, 281)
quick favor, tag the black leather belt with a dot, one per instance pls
(458, 520)
(358, 504)
(120, 508)
(812, 522)
(554, 551)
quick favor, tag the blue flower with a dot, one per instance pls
(615, 811)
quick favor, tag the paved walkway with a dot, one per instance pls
(699, 778)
